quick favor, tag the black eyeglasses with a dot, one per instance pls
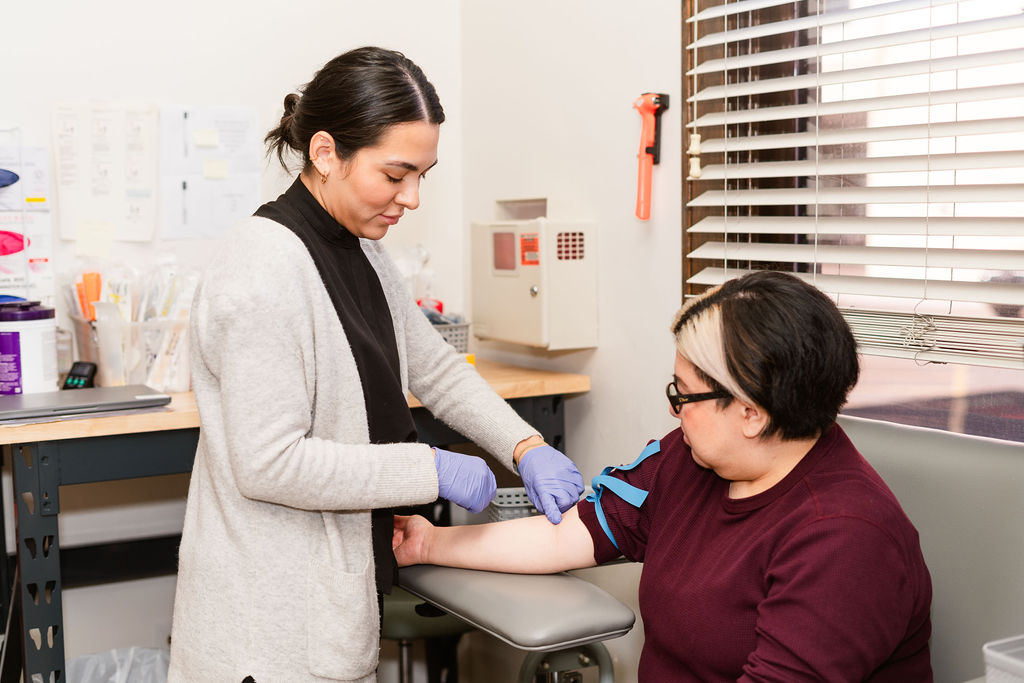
(677, 400)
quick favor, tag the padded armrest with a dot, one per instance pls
(535, 612)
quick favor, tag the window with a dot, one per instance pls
(876, 149)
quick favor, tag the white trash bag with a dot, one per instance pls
(124, 665)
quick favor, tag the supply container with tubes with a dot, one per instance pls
(138, 333)
(152, 352)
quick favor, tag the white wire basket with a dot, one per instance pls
(510, 503)
(456, 334)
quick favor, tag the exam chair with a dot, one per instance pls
(559, 620)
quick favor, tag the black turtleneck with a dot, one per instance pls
(363, 310)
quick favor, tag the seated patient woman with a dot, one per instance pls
(772, 551)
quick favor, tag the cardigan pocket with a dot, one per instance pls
(342, 624)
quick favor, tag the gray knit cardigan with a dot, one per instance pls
(275, 577)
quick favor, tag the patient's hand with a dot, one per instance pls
(409, 539)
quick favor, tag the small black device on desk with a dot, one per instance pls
(80, 376)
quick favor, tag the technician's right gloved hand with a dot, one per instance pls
(552, 481)
(465, 480)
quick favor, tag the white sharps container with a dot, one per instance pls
(28, 348)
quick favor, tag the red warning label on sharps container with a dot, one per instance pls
(529, 248)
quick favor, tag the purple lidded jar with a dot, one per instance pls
(28, 348)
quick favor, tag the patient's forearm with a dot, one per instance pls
(530, 545)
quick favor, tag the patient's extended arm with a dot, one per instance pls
(529, 545)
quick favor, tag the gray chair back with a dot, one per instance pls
(965, 495)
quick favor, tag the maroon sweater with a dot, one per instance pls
(820, 578)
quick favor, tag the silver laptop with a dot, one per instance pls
(15, 407)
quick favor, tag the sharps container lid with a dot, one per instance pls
(24, 310)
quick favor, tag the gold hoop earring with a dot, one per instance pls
(323, 178)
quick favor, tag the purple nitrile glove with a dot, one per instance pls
(465, 480)
(552, 481)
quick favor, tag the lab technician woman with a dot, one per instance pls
(304, 345)
(772, 551)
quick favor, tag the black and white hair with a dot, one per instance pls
(771, 339)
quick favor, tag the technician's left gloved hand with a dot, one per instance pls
(465, 480)
(552, 481)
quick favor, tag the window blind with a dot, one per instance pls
(876, 149)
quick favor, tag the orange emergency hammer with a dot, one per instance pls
(651, 106)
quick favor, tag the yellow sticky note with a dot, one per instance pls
(215, 168)
(205, 137)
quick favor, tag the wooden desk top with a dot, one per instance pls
(509, 381)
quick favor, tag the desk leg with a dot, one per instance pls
(5, 578)
(36, 497)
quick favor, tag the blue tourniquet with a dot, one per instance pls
(627, 492)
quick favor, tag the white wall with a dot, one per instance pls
(548, 92)
(228, 53)
(539, 103)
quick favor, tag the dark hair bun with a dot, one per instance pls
(355, 97)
